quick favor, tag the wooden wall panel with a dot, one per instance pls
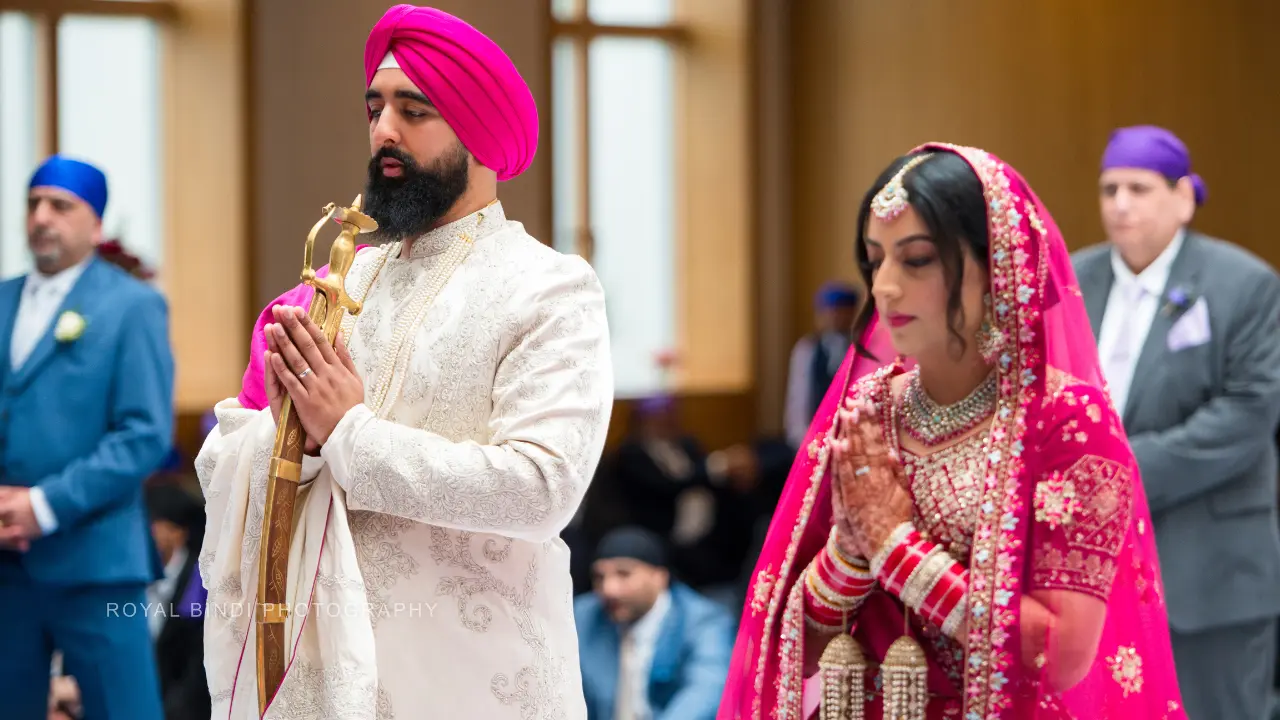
(716, 226)
(1041, 85)
(206, 224)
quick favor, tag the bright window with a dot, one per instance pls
(615, 184)
(18, 137)
(109, 115)
(86, 85)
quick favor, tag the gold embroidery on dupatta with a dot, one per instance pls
(763, 589)
(1056, 501)
(1126, 669)
(788, 559)
(994, 580)
(1037, 224)
(1057, 383)
(1095, 519)
(789, 683)
(1148, 587)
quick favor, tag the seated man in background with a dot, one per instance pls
(650, 647)
(658, 468)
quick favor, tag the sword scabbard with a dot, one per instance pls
(284, 473)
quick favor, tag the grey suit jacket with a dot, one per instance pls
(1202, 424)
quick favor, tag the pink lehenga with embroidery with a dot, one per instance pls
(1048, 497)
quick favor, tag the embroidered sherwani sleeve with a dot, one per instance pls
(552, 396)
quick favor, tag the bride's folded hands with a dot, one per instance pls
(869, 488)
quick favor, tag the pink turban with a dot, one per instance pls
(469, 79)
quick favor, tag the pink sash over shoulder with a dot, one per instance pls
(253, 391)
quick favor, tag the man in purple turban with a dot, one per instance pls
(451, 433)
(1188, 331)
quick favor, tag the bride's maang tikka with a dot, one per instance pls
(892, 200)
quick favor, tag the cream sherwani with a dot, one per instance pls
(427, 575)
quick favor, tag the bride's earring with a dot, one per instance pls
(990, 340)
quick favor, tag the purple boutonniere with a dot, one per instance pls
(1178, 300)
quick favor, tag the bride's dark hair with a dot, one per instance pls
(948, 197)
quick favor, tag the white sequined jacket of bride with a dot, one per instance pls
(427, 577)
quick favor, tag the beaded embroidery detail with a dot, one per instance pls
(947, 488)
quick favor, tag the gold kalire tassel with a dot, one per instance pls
(905, 674)
(843, 668)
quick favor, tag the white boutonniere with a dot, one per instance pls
(70, 326)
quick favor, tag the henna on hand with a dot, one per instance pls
(846, 535)
(872, 482)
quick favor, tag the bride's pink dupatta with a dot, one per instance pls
(1051, 346)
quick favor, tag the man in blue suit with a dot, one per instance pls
(649, 647)
(86, 414)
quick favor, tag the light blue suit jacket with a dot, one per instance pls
(690, 658)
(88, 421)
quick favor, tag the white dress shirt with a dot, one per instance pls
(1131, 307)
(42, 296)
(797, 413)
(638, 644)
(160, 599)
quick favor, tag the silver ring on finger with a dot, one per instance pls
(865, 469)
(304, 373)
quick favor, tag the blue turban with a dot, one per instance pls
(835, 294)
(634, 543)
(78, 178)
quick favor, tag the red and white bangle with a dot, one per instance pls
(924, 577)
(835, 585)
(822, 613)
(846, 575)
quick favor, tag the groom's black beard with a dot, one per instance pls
(410, 205)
